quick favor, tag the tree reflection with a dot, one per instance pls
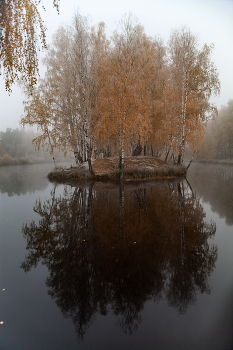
(119, 246)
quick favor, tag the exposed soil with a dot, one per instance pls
(108, 165)
(107, 169)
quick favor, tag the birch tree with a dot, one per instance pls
(88, 47)
(124, 101)
(125, 93)
(55, 100)
(46, 105)
(159, 111)
(193, 79)
(19, 37)
(69, 88)
(39, 113)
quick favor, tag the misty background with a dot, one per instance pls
(211, 21)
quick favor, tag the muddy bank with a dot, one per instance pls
(107, 169)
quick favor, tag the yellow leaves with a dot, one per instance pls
(190, 80)
(126, 93)
(19, 40)
(127, 77)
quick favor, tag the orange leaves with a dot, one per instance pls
(125, 97)
(113, 96)
(19, 40)
(191, 79)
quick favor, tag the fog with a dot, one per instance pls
(210, 20)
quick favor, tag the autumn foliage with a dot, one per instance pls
(127, 95)
(20, 40)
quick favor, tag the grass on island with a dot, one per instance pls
(106, 169)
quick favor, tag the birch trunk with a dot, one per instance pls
(123, 144)
(183, 114)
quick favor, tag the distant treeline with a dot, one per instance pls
(218, 141)
(16, 147)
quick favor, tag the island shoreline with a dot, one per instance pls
(106, 169)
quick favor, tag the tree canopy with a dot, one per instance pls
(20, 39)
(130, 94)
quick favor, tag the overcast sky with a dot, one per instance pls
(211, 20)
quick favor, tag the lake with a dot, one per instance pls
(140, 265)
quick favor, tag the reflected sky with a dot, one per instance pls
(214, 183)
(22, 179)
(140, 265)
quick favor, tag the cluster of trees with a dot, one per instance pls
(218, 141)
(127, 95)
(16, 143)
(119, 247)
(16, 147)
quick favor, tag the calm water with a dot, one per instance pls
(101, 266)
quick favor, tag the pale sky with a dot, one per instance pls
(211, 20)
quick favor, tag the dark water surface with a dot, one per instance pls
(105, 266)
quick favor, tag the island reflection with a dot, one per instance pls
(114, 247)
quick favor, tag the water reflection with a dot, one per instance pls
(215, 184)
(18, 180)
(115, 247)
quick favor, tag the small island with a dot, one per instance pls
(107, 169)
(118, 105)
